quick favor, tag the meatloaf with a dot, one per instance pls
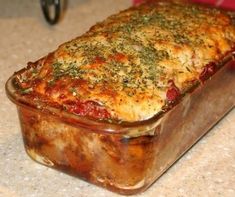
(134, 64)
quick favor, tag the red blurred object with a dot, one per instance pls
(228, 4)
(137, 2)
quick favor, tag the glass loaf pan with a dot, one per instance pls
(128, 157)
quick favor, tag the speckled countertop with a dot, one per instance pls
(208, 169)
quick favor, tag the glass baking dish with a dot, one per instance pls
(123, 157)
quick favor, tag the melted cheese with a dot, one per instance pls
(126, 62)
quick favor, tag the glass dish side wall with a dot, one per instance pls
(123, 164)
(109, 160)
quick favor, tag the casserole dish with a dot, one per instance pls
(125, 145)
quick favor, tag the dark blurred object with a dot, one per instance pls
(51, 10)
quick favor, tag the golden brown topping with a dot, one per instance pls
(126, 62)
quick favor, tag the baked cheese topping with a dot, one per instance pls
(133, 64)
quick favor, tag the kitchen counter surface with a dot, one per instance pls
(208, 169)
